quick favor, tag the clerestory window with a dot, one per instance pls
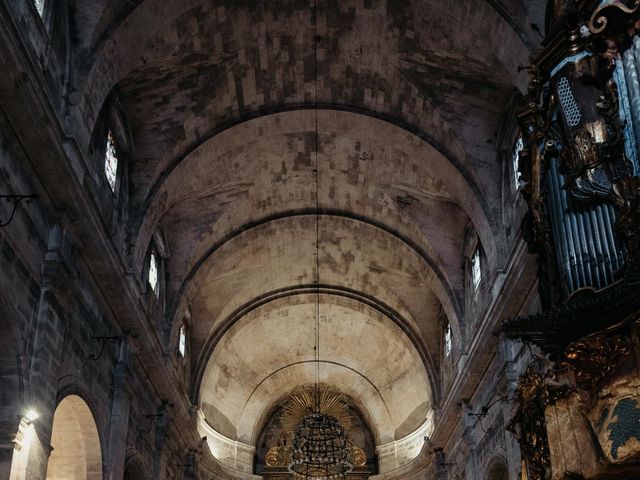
(476, 270)
(153, 273)
(182, 341)
(111, 161)
(447, 339)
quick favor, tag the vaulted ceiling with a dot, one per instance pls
(295, 151)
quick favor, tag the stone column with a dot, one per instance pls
(46, 349)
(191, 466)
(441, 464)
(119, 421)
(159, 456)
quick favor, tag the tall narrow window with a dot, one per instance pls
(182, 340)
(516, 161)
(153, 272)
(111, 161)
(476, 271)
(447, 339)
(39, 6)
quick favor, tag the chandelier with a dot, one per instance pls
(320, 449)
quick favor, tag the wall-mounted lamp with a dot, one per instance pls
(31, 415)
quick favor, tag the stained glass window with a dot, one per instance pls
(447, 339)
(476, 273)
(182, 341)
(153, 273)
(111, 161)
(516, 160)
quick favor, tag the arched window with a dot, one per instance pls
(152, 276)
(516, 161)
(448, 340)
(111, 161)
(476, 269)
(182, 341)
(39, 6)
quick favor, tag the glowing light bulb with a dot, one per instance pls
(31, 415)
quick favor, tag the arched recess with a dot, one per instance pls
(275, 433)
(498, 470)
(373, 373)
(134, 469)
(323, 290)
(76, 453)
(268, 353)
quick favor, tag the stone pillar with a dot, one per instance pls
(46, 349)
(159, 455)
(119, 421)
(10, 400)
(441, 465)
(191, 466)
(10, 446)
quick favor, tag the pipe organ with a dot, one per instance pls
(580, 127)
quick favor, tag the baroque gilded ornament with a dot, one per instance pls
(574, 148)
(579, 169)
(594, 357)
(329, 420)
(537, 389)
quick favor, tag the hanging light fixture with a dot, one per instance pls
(320, 449)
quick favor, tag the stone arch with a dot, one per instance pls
(76, 453)
(498, 470)
(134, 469)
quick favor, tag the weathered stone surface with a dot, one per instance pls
(270, 152)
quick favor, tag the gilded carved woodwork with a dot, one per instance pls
(537, 388)
(570, 116)
(278, 456)
(593, 358)
(301, 404)
(571, 445)
(298, 406)
(581, 191)
(562, 406)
